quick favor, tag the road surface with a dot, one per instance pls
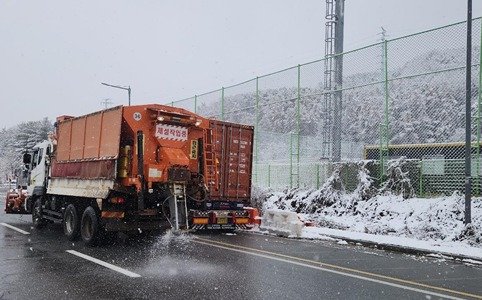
(43, 264)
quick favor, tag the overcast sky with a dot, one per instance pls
(54, 54)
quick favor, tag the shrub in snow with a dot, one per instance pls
(290, 199)
(471, 234)
(259, 196)
(330, 192)
(366, 184)
(398, 181)
(434, 219)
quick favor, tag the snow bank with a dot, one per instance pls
(436, 219)
(383, 211)
(445, 248)
(280, 222)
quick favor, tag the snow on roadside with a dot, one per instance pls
(388, 214)
(449, 248)
(433, 224)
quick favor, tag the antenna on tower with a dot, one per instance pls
(106, 103)
(384, 34)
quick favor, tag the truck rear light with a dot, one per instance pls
(200, 220)
(242, 220)
(117, 200)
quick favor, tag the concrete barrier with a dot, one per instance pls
(280, 222)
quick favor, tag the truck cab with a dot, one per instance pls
(32, 180)
(36, 162)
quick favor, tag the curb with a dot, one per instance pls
(385, 246)
(403, 249)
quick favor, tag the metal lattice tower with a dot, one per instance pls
(328, 82)
(333, 79)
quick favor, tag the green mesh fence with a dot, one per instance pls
(403, 97)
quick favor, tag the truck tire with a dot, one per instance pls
(71, 222)
(37, 215)
(90, 227)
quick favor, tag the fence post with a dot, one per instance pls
(291, 160)
(384, 130)
(296, 135)
(317, 176)
(420, 181)
(479, 100)
(269, 175)
(298, 128)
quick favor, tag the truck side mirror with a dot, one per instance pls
(48, 151)
(27, 158)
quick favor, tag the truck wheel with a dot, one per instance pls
(71, 222)
(37, 219)
(89, 227)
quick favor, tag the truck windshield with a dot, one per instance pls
(35, 158)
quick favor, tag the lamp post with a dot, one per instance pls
(128, 89)
(468, 137)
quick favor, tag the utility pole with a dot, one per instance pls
(128, 89)
(468, 137)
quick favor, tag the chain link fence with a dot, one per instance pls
(402, 97)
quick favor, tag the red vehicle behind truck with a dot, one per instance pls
(141, 167)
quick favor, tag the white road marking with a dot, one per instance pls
(15, 228)
(104, 264)
(331, 271)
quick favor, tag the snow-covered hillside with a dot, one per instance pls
(426, 108)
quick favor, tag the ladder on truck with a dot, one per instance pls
(178, 206)
(212, 176)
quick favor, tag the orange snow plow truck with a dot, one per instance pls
(138, 168)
